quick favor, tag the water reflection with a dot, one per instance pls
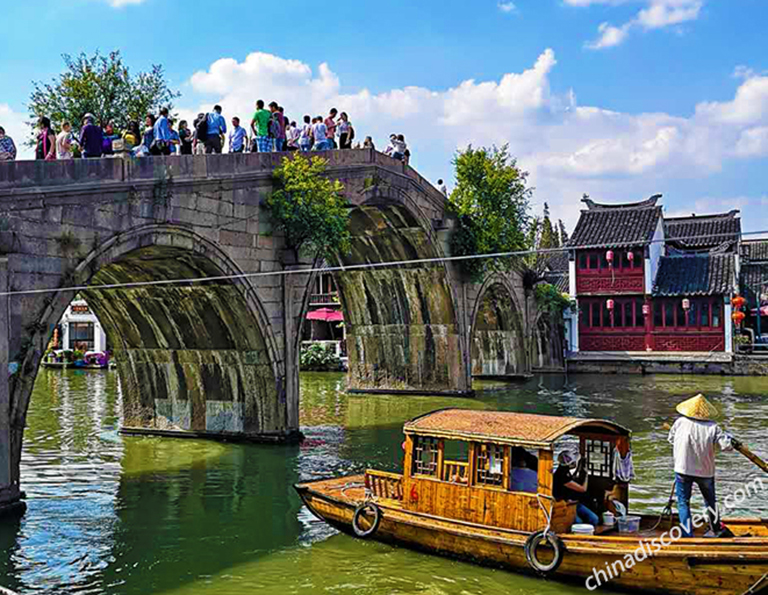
(147, 515)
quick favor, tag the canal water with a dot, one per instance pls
(139, 515)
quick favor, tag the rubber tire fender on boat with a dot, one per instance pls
(359, 531)
(532, 544)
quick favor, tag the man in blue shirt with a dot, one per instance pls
(237, 137)
(217, 128)
(162, 143)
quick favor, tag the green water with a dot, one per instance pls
(133, 515)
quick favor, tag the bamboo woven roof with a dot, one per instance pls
(522, 429)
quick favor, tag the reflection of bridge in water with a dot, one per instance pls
(221, 357)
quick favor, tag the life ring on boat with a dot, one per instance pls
(359, 511)
(533, 543)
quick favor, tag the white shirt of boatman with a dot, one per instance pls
(695, 445)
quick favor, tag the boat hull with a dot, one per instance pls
(688, 567)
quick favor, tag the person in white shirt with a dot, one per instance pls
(696, 438)
(319, 131)
(64, 142)
(305, 135)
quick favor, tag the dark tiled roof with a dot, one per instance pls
(701, 274)
(755, 250)
(707, 231)
(557, 262)
(559, 279)
(753, 275)
(617, 225)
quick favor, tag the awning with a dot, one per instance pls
(326, 315)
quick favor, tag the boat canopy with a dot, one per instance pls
(503, 427)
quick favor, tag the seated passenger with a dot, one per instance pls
(524, 479)
(566, 486)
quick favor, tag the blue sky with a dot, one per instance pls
(618, 98)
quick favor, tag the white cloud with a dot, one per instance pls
(569, 149)
(507, 7)
(657, 14)
(610, 36)
(753, 142)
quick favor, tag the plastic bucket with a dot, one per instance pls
(583, 529)
(608, 519)
(629, 524)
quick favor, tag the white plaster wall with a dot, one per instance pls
(573, 336)
(655, 252)
(728, 322)
(572, 278)
(99, 336)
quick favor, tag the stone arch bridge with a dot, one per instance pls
(220, 357)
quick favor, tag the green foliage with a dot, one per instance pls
(549, 237)
(103, 86)
(550, 302)
(310, 208)
(491, 202)
(318, 357)
(563, 233)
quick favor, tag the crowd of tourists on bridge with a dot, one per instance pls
(269, 130)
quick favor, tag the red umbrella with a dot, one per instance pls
(326, 315)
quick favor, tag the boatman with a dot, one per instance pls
(696, 438)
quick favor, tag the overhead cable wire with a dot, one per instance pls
(366, 266)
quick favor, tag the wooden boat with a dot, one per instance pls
(60, 358)
(455, 497)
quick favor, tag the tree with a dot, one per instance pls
(103, 86)
(563, 233)
(490, 201)
(549, 238)
(310, 208)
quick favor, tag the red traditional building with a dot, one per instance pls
(646, 283)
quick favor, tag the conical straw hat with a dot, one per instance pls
(698, 408)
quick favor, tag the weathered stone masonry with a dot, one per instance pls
(220, 358)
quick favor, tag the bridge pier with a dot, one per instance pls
(10, 493)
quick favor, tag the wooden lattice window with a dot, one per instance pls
(489, 464)
(599, 457)
(425, 451)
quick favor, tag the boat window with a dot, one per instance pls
(524, 475)
(489, 464)
(599, 455)
(455, 461)
(425, 455)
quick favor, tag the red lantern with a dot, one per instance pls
(610, 304)
(646, 309)
(609, 256)
(738, 317)
(630, 256)
(738, 301)
(686, 304)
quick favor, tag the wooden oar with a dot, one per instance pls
(750, 455)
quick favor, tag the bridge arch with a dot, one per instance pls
(402, 323)
(497, 339)
(176, 345)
